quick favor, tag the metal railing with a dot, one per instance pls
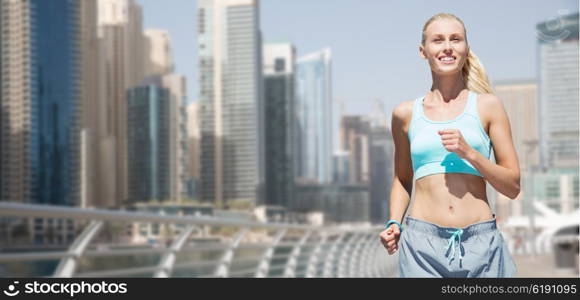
(201, 247)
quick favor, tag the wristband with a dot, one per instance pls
(395, 222)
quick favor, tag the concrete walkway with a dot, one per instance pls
(542, 265)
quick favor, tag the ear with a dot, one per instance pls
(422, 52)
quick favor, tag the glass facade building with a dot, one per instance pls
(148, 139)
(279, 114)
(54, 109)
(314, 117)
(558, 90)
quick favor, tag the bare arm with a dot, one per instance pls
(505, 175)
(403, 178)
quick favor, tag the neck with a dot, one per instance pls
(447, 87)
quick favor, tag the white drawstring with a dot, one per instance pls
(456, 234)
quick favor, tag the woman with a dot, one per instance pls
(443, 141)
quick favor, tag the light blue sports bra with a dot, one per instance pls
(428, 154)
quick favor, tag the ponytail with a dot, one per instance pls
(474, 75)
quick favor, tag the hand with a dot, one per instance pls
(453, 141)
(390, 238)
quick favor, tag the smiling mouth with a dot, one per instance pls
(447, 59)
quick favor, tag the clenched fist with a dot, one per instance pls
(453, 141)
(390, 238)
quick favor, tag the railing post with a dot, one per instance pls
(355, 256)
(264, 265)
(364, 265)
(168, 259)
(313, 259)
(367, 264)
(290, 270)
(223, 267)
(344, 254)
(330, 256)
(67, 265)
(375, 261)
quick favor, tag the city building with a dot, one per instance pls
(230, 101)
(176, 85)
(369, 145)
(558, 91)
(337, 203)
(314, 116)
(519, 98)
(120, 33)
(148, 143)
(341, 166)
(40, 102)
(279, 115)
(17, 99)
(193, 154)
(158, 233)
(382, 160)
(355, 139)
(158, 56)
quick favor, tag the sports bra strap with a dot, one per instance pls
(417, 108)
(471, 104)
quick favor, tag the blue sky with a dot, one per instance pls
(375, 42)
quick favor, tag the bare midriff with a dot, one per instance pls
(451, 200)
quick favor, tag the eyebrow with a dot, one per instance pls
(453, 34)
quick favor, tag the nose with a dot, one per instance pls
(448, 48)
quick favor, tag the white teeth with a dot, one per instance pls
(447, 58)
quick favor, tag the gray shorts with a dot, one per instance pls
(478, 250)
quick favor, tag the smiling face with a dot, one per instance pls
(445, 46)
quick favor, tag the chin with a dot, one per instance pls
(446, 71)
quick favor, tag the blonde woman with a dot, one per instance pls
(443, 144)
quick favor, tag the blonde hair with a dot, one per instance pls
(473, 72)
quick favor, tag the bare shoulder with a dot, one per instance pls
(490, 108)
(402, 114)
(490, 104)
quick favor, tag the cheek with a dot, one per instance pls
(432, 59)
(430, 52)
(463, 51)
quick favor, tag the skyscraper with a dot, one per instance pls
(90, 93)
(519, 98)
(193, 154)
(176, 85)
(158, 57)
(230, 99)
(158, 105)
(40, 101)
(520, 101)
(558, 89)
(314, 113)
(279, 115)
(158, 61)
(120, 33)
(16, 101)
(55, 161)
(355, 139)
(148, 142)
(381, 168)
